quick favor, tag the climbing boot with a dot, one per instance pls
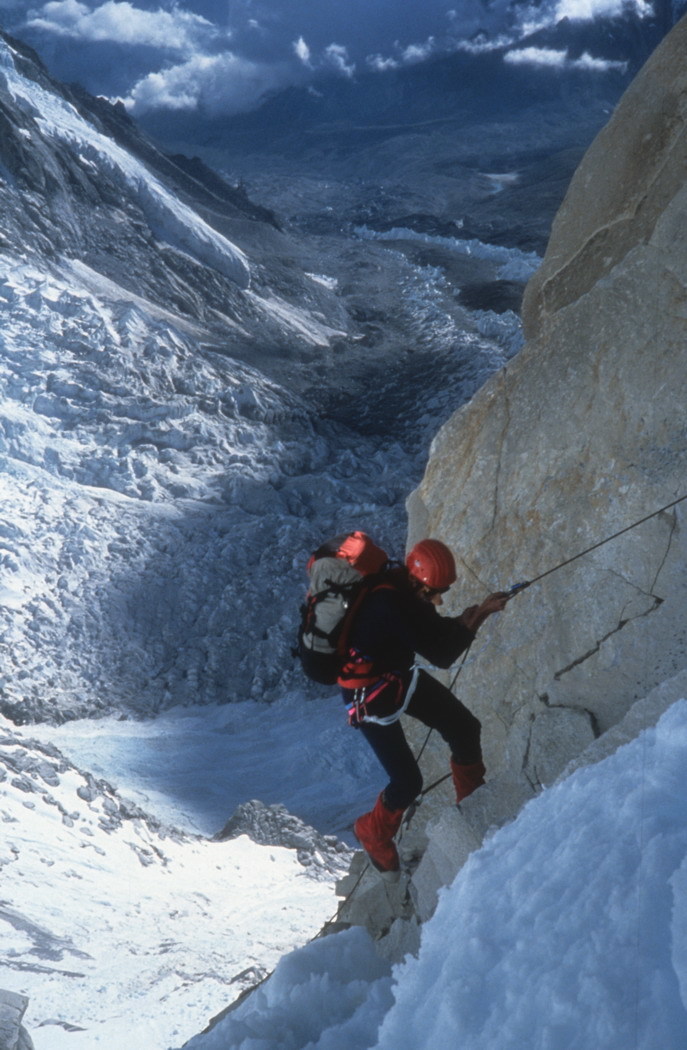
(467, 778)
(375, 832)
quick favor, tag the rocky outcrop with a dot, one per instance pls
(321, 855)
(13, 1035)
(578, 437)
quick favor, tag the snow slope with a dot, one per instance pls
(565, 931)
(192, 767)
(122, 930)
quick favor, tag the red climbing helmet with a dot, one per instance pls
(431, 562)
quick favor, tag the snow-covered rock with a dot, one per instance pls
(323, 855)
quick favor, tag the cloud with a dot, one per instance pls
(174, 53)
(214, 84)
(598, 65)
(588, 10)
(404, 56)
(419, 52)
(554, 11)
(551, 59)
(536, 56)
(379, 64)
(302, 51)
(118, 21)
(336, 55)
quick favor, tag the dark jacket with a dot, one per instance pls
(392, 626)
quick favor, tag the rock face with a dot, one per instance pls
(578, 437)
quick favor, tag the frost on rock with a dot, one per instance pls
(323, 856)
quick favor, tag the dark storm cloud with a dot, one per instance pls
(223, 55)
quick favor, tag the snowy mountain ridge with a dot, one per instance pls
(169, 218)
(41, 114)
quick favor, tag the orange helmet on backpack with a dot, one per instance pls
(432, 563)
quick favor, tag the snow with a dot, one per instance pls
(327, 996)
(516, 265)
(193, 767)
(565, 931)
(125, 932)
(145, 474)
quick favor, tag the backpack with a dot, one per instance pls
(342, 571)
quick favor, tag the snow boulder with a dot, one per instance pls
(577, 438)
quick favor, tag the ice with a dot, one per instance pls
(123, 931)
(516, 264)
(194, 767)
(328, 995)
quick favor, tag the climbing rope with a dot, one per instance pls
(568, 561)
(517, 588)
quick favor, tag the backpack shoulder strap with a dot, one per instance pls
(369, 585)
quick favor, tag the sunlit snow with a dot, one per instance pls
(566, 931)
(126, 932)
(169, 218)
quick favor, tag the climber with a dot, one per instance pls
(379, 681)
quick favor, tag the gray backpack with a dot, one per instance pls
(341, 572)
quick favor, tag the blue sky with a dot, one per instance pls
(223, 56)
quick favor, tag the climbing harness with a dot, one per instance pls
(358, 712)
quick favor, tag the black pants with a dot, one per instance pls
(434, 705)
